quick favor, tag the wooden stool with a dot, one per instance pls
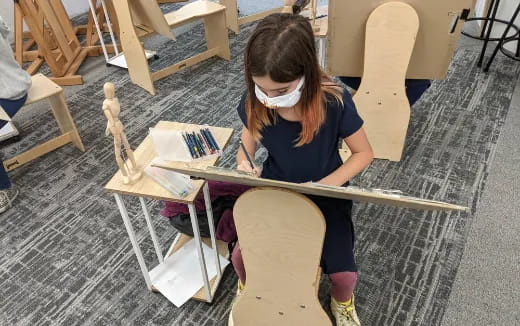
(44, 88)
(140, 18)
(281, 237)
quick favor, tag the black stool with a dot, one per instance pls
(503, 40)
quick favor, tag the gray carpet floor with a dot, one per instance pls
(66, 258)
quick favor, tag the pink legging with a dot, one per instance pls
(343, 283)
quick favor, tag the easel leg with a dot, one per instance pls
(64, 119)
(18, 33)
(217, 34)
(200, 253)
(133, 239)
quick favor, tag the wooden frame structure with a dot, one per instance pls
(43, 88)
(139, 18)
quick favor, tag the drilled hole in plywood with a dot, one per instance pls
(395, 94)
(280, 313)
(367, 92)
(302, 306)
(258, 297)
(379, 103)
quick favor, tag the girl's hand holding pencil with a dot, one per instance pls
(245, 166)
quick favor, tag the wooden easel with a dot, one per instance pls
(279, 231)
(55, 37)
(142, 17)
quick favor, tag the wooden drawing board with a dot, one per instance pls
(355, 193)
(435, 44)
(281, 249)
(391, 30)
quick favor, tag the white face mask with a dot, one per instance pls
(283, 101)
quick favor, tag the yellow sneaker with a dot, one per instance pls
(240, 288)
(344, 312)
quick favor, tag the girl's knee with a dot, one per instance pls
(344, 278)
(236, 257)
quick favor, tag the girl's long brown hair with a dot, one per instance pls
(283, 48)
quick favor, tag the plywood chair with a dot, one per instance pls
(43, 88)
(140, 18)
(391, 30)
(281, 237)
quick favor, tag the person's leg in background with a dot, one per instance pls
(7, 192)
(415, 88)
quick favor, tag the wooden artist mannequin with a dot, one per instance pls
(111, 108)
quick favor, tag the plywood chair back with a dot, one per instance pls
(381, 98)
(281, 237)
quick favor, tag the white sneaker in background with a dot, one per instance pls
(7, 196)
(8, 131)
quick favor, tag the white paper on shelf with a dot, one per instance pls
(179, 277)
(169, 145)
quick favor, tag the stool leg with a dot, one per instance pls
(64, 119)
(490, 61)
(217, 34)
(488, 34)
(518, 47)
(487, 16)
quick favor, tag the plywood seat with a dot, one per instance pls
(192, 11)
(43, 88)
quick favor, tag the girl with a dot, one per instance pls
(299, 115)
(14, 85)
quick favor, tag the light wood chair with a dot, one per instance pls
(281, 237)
(141, 18)
(43, 88)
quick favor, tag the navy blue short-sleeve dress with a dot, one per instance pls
(312, 162)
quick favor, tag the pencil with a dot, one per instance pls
(247, 155)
